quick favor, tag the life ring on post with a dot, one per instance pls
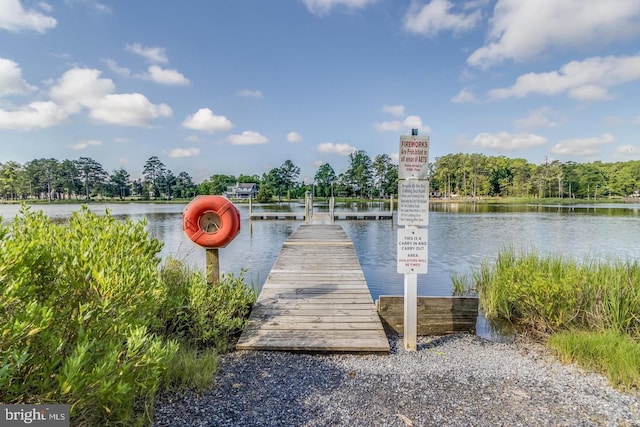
(211, 221)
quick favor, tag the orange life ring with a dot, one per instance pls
(211, 221)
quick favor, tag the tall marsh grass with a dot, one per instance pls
(589, 310)
(554, 293)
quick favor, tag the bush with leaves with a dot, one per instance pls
(201, 314)
(77, 304)
(88, 318)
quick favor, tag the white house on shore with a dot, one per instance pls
(242, 191)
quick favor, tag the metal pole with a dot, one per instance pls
(410, 311)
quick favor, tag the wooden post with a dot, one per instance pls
(250, 206)
(331, 208)
(391, 205)
(212, 266)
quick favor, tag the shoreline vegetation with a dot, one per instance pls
(464, 200)
(92, 317)
(587, 312)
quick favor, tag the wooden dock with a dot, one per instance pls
(300, 216)
(315, 299)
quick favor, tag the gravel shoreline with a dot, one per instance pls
(456, 380)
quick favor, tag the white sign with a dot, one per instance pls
(413, 206)
(413, 157)
(412, 250)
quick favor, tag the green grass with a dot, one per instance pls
(590, 311)
(192, 368)
(615, 355)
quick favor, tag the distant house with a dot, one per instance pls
(242, 190)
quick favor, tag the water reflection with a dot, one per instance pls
(461, 236)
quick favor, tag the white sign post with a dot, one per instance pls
(413, 212)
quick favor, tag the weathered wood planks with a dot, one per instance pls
(436, 315)
(315, 299)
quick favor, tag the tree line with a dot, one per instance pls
(85, 178)
(477, 175)
(452, 175)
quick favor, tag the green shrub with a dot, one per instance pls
(77, 303)
(204, 315)
(88, 318)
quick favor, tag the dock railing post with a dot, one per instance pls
(331, 208)
(306, 207)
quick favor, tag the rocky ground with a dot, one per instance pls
(458, 380)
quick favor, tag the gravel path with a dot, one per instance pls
(458, 380)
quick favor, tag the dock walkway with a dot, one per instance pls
(315, 298)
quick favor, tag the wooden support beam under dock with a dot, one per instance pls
(315, 299)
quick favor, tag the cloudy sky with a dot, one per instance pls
(238, 87)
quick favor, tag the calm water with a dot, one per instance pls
(461, 236)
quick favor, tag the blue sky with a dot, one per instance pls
(238, 87)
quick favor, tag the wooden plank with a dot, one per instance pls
(436, 315)
(332, 326)
(295, 318)
(315, 298)
(347, 345)
(327, 334)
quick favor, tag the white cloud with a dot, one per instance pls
(341, 149)
(637, 120)
(102, 8)
(523, 29)
(167, 77)
(394, 110)
(409, 122)
(45, 7)
(11, 81)
(33, 116)
(249, 93)
(154, 73)
(582, 80)
(128, 109)
(14, 18)
(81, 145)
(539, 118)
(192, 138)
(80, 87)
(204, 119)
(83, 88)
(156, 55)
(582, 146)
(323, 7)
(466, 96)
(436, 16)
(248, 137)
(184, 152)
(505, 141)
(294, 137)
(113, 66)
